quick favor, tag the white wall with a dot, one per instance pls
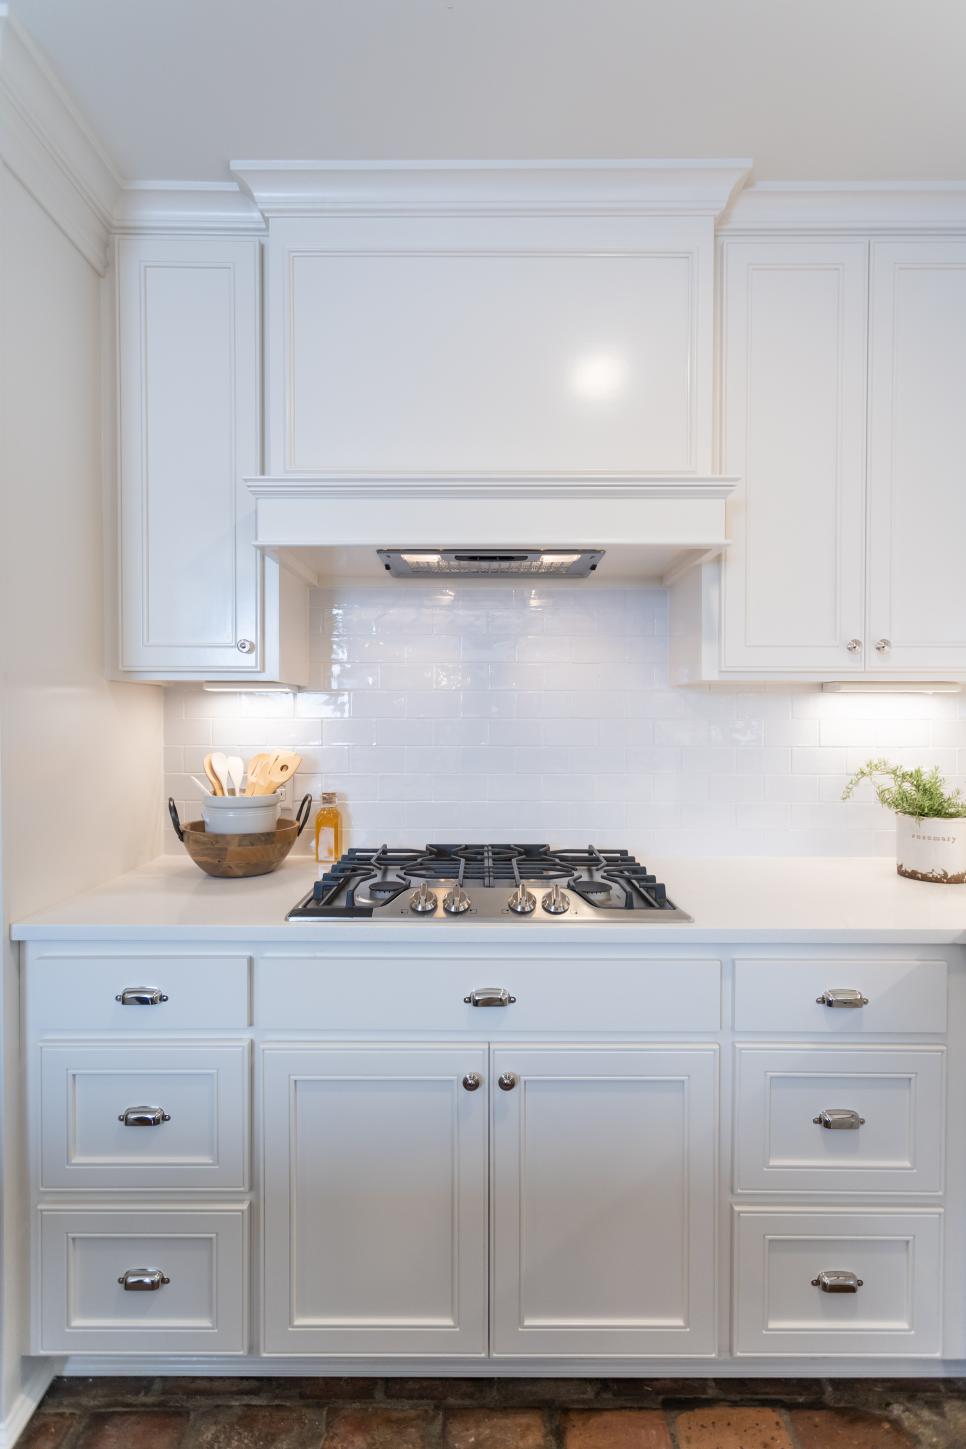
(79, 757)
(490, 711)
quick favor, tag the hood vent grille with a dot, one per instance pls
(490, 563)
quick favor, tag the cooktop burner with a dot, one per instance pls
(490, 883)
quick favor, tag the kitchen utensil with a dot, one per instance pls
(212, 775)
(236, 772)
(219, 763)
(257, 766)
(205, 789)
(242, 855)
(282, 768)
(240, 814)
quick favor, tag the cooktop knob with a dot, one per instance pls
(556, 901)
(423, 899)
(456, 901)
(522, 901)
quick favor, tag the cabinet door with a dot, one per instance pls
(917, 443)
(375, 1200)
(188, 340)
(793, 429)
(604, 1170)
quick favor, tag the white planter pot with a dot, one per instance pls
(931, 849)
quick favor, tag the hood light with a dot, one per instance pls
(499, 562)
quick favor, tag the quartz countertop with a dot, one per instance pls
(732, 899)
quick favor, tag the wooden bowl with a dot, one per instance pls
(237, 856)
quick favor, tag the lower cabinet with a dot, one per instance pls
(602, 1190)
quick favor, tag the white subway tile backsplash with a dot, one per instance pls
(487, 711)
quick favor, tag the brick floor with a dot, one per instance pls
(486, 1413)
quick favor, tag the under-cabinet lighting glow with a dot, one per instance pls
(255, 686)
(887, 686)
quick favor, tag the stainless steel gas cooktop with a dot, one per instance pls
(489, 883)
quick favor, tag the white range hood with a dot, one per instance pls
(648, 528)
(505, 356)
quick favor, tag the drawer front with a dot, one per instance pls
(150, 1116)
(82, 1307)
(293, 993)
(881, 1124)
(98, 993)
(896, 996)
(895, 1263)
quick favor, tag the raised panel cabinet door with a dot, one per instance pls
(917, 444)
(189, 431)
(604, 1174)
(375, 1199)
(793, 340)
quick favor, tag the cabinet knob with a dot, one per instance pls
(141, 996)
(471, 1082)
(882, 646)
(836, 1280)
(854, 646)
(144, 1116)
(489, 996)
(245, 646)
(839, 1119)
(842, 996)
(506, 1081)
(143, 1280)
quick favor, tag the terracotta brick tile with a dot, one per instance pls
(336, 1390)
(725, 1426)
(616, 1429)
(140, 1429)
(494, 1429)
(379, 1428)
(102, 1393)
(257, 1426)
(47, 1431)
(439, 1391)
(847, 1429)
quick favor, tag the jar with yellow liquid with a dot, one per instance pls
(328, 831)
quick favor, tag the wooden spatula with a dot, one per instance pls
(213, 776)
(281, 769)
(257, 766)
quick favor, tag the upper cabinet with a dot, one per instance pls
(428, 345)
(842, 376)
(917, 444)
(196, 599)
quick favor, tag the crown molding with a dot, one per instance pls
(48, 146)
(182, 206)
(459, 188)
(867, 207)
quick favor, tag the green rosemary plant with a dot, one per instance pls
(909, 792)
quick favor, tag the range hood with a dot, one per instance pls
(600, 527)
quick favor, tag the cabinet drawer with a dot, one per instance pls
(199, 1091)
(294, 993)
(780, 1309)
(900, 996)
(87, 993)
(884, 1107)
(82, 1307)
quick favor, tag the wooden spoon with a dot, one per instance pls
(219, 763)
(257, 766)
(212, 774)
(281, 769)
(236, 772)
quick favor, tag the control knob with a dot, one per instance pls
(556, 901)
(522, 901)
(423, 899)
(456, 901)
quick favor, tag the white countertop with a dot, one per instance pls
(732, 899)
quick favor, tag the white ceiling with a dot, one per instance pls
(812, 89)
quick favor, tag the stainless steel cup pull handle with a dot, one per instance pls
(842, 996)
(143, 1280)
(141, 996)
(489, 996)
(836, 1280)
(144, 1116)
(839, 1119)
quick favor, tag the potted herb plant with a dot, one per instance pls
(930, 820)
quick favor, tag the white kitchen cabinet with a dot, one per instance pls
(793, 429)
(917, 442)
(604, 1171)
(375, 1199)
(196, 599)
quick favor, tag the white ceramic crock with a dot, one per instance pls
(928, 848)
(240, 814)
